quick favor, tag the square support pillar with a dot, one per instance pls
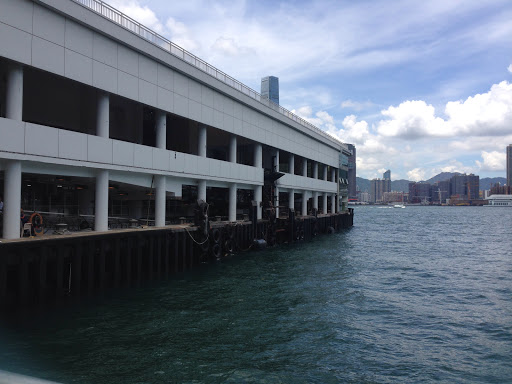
(315, 170)
(12, 200)
(325, 172)
(14, 93)
(324, 203)
(258, 196)
(258, 155)
(160, 194)
(232, 149)
(103, 115)
(161, 129)
(305, 167)
(201, 141)
(101, 209)
(291, 199)
(276, 165)
(291, 165)
(315, 200)
(333, 203)
(304, 207)
(232, 202)
(201, 190)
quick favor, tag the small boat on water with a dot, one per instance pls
(399, 206)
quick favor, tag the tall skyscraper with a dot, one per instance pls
(387, 175)
(352, 193)
(270, 88)
(509, 165)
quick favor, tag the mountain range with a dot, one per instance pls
(403, 185)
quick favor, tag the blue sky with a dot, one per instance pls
(418, 87)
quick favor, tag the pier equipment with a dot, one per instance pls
(105, 124)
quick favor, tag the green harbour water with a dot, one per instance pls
(415, 295)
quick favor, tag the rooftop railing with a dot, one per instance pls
(128, 23)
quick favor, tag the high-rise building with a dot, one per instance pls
(270, 88)
(387, 175)
(509, 165)
(465, 187)
(377, 189)
(352, 192)
(419, 193)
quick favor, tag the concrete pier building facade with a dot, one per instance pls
(101, 117)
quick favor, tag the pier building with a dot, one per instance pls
(105, 124)
(98, 112)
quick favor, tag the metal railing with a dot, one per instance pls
(128, 23)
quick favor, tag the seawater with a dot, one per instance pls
(415, 295)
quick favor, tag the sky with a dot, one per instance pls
(419, 87)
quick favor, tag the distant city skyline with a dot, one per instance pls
(417, 87)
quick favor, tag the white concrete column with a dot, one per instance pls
(201, 142)
(315, 200)
(232, 202)
(277, 160)
(258, 155)
(325, 172)
(160, 194)
(304, 203)
(315, 170)
(103, 114)
(232, 149)
(161, 130)
(333, 203)
(277, 201)
(14, 95)
(292, 164)
(258, 196)
(101, 199)
(201, 190)
(305, 167)
(337, 203)
(333, 175)
(324, 203)
(291, 199)
(12, 200)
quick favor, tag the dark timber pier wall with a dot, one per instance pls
(37, 270)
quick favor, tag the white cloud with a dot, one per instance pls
(486, 114)
(411, 120)
(417, 174)
(355, 105)
(492, 161)
(510, 68)
(142, 14)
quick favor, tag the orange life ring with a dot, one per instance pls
(37, 223)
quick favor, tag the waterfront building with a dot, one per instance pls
(465, 187)
(440, 192)
(270, 88)
(500, 200)
(387, 175)
(509, 165)
(419, 192)
(103, 119)
(364, 197)
(352, 185)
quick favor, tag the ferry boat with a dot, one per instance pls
(500, 201)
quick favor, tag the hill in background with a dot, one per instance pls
(403, 185)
